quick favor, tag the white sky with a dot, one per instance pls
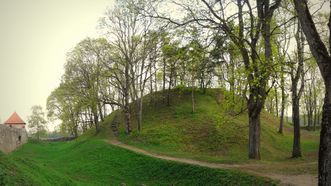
(35, 36)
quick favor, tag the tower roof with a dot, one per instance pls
(14, 119)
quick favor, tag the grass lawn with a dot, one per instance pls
(91, 161)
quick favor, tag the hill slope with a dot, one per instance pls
(211, 133)
(91, 161)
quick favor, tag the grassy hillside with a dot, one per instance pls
(10, 174)
(211, 133)
(90, 160)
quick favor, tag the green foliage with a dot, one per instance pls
(37, 121)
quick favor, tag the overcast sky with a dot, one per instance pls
(35, 36)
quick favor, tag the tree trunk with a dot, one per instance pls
(296, 151)
(309, 118)
(296, 92)
(323, 59)
(127, 114)
(255, 105)
(276, 104)
(140, 111)
(126, 110)
(164, 74)
(324, 163)
(315, 109)
(281, 123)
(100, 112)
(151, 89)
(96, 120)
(127, 119)
(169, 88)
(254, 134)
(193, 100)
(76, 130)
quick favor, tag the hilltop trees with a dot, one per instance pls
(258, 64)
(37, 121)
(132, 43)
(238, 46)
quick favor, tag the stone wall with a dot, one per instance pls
(20, 126)
(11, 138)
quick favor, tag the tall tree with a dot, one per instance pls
(127, 31)
(323, 59)
(297, 74)
(37, 121)
(83, 75)
(63, 105)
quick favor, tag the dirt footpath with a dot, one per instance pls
(295, 180)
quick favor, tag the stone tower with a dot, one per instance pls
(12, 134)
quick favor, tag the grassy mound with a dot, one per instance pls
(10, 174)
(92, 161)
(212, 133)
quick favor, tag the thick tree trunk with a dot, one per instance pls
(324, 163)
(297, 92)
(296, 151)
(323, 59)
(255, 105)
(254, 135)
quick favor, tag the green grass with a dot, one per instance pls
(92, 161)
(211, 133)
